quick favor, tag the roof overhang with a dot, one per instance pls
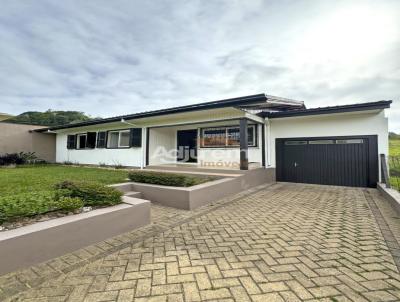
(372, 106)
(249, 103)
(174, 119)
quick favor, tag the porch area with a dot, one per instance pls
(208, 147)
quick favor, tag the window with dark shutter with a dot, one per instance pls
(136, 137)
(81, 141)
(101, 139)
(71, 141)
(91, 140)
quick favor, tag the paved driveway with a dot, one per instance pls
(285, 242)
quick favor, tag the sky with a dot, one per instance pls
(109, 58)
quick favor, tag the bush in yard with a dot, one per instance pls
(26, 204)
(34, 203)
(91, 193)
(166, 179)
(19, 158)
(69, 204)
(11, 159)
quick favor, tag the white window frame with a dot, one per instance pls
(119, 139)
(254, 144)
(78, 141)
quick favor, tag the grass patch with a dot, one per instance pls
(26, 179)
(394, 147)
(394, 162)
(167, 179)
(32, 190)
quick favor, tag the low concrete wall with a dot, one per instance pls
(196, 196)
(32, 244)
(391, 195)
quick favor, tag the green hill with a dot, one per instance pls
(50, 118)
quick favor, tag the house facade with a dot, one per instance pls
(331, 145)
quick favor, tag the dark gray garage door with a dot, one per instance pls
(343, 161)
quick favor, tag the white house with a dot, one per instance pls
(332, 145)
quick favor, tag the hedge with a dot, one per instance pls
(67, 196)
(91, 193)
(166, 179)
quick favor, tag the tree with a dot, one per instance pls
(50, 118)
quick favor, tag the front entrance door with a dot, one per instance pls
(187, 145)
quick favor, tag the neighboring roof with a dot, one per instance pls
(328, 110)
(261, 101)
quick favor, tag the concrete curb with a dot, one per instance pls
(391, 195)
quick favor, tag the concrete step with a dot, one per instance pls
(133, 194)
(122, 187)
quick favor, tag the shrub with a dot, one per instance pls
(91, 193)
(26, 204)
(18, 158)
(166, 179)
(35, 203)
(11, 159)
(69, 203)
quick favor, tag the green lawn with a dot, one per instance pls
(394, 147)
(40, 178)
(394, 162)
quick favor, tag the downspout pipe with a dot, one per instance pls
(268, 141)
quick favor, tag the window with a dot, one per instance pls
(251, 135)
(81, 141)
(322, 142)
(233, 137)
(101, 139)
(91, 140)
(71, 141)
(214, 137)
(296, 143)
(227, 136)
(136, 137)
(349, 141)
(124, 139)
(118, 139)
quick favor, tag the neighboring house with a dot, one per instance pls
(4, 116)
(332, 145)
(15, 138)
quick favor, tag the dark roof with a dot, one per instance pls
(234, 102)
(328, 110)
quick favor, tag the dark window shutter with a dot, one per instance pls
(71, 141)
(91, 140)
(136, 137)
(101, 139)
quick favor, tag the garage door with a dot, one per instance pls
(343, 161)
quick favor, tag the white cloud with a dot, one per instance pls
(109, 58)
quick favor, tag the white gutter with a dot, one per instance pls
(144, 148)
(268, 141)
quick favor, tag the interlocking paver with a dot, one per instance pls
(285, 242)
